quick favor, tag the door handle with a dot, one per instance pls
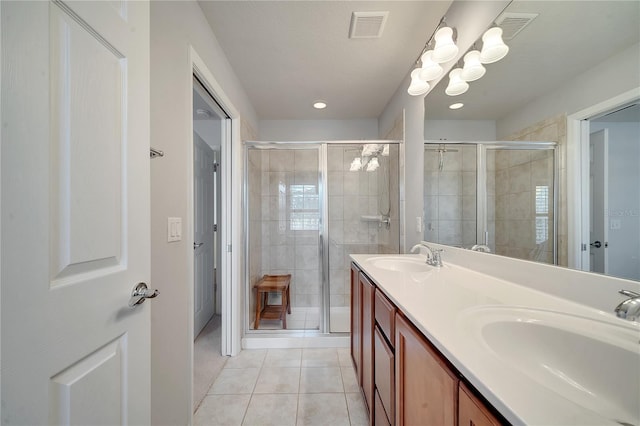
(596, 244)
(141, 293)
(196, 245)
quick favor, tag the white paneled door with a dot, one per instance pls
(75, 212)
(204, 235)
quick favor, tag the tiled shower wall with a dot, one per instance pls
(450, 195)
(290, 220)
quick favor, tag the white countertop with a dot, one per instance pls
(451, 304)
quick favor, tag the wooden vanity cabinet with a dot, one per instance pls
(472, 412)
(368, 293)
(356, 319)
(384, 359)
(426, 389)
(405, 381)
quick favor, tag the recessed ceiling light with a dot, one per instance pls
(457, 105)
(319, 105)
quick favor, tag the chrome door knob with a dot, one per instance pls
(141, 293)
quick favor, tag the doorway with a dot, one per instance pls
(209, 129)
(613, 196)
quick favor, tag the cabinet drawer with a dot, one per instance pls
(472, 411)
(379, 416)
(384, 374)
(385, 312)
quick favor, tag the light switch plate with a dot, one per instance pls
(174, 229)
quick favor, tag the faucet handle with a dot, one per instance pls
(629, 293)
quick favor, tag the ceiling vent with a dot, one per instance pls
(512, 23)
(367, 24)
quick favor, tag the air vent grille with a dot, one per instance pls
(512, 23)
(367, 24)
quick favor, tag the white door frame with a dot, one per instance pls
(231, 171)
(578, 176)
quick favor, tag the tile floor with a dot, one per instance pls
(285, 387)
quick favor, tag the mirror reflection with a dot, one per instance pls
(562, 56)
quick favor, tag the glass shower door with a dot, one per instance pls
(363, 204)
(520, 202)
(283, 196)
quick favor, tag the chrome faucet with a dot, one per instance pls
(434, 257)
(629, 308)
(481, 247)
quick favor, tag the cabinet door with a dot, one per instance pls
(426, 390)
(368, 293)
(384, 375)
(472, 411)
(356, 322)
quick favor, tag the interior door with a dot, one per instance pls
(204, 238)
(598, 200)
(75, 212)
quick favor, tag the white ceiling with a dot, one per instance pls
(288, 54)
(567, 38)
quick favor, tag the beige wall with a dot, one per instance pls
(175, 26)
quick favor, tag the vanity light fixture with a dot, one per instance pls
(473, 68)
(319, 105)
(457, 86)
(356, 164)
(445, 48)
(430, 68)
(373, 164)
(493, 48)
(418, 86)
(457, 105)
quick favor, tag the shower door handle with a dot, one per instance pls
(197, 245)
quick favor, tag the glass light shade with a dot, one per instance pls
(493, 48)
(385, 150)
(369, 149)
(473, 68)
(373, 164)
(417, 87)
(445, 49)
(430, 69)
(356, 164)
(457, 86)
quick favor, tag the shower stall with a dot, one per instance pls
(499, 194)
(308, 207)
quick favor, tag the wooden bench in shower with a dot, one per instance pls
(273, 284)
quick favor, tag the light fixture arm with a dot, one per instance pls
(442, 22)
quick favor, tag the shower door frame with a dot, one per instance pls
(323, 228)
(481, 180)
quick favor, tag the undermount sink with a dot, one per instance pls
(594, 364)
(401, 264)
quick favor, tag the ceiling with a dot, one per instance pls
(567, 38)
(287, 54)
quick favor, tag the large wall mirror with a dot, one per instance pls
(496, 170)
